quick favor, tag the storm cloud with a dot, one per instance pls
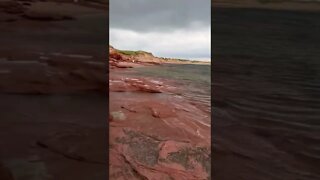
(167, 28)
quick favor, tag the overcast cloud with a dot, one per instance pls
(167, 28)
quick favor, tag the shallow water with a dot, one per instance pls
(193, 80)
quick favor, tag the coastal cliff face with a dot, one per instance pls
(129, 59)
(154, 132)
(125, 59)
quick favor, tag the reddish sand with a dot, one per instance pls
(154, 132)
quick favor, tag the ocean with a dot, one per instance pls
(194, 80)
(266, 94)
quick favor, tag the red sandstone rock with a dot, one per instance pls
(119, 60)
(120, 84)
(171, 144)
(52, 75)
(123, 65)
(163, 136)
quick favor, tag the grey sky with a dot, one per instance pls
(167, 28)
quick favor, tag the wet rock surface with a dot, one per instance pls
(53, 79)
(164, 136)
(51, 74)
(47, 138)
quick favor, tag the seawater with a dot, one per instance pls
(194, 80)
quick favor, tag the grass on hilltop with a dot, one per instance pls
(132, 53)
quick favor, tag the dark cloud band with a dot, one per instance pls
(159, 15)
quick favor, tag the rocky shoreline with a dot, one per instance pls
(53, 73)
(154, 132)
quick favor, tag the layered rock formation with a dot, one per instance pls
(44, 51)
(129, 59)
(53, 83)
(154, 132)
(52, 73)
